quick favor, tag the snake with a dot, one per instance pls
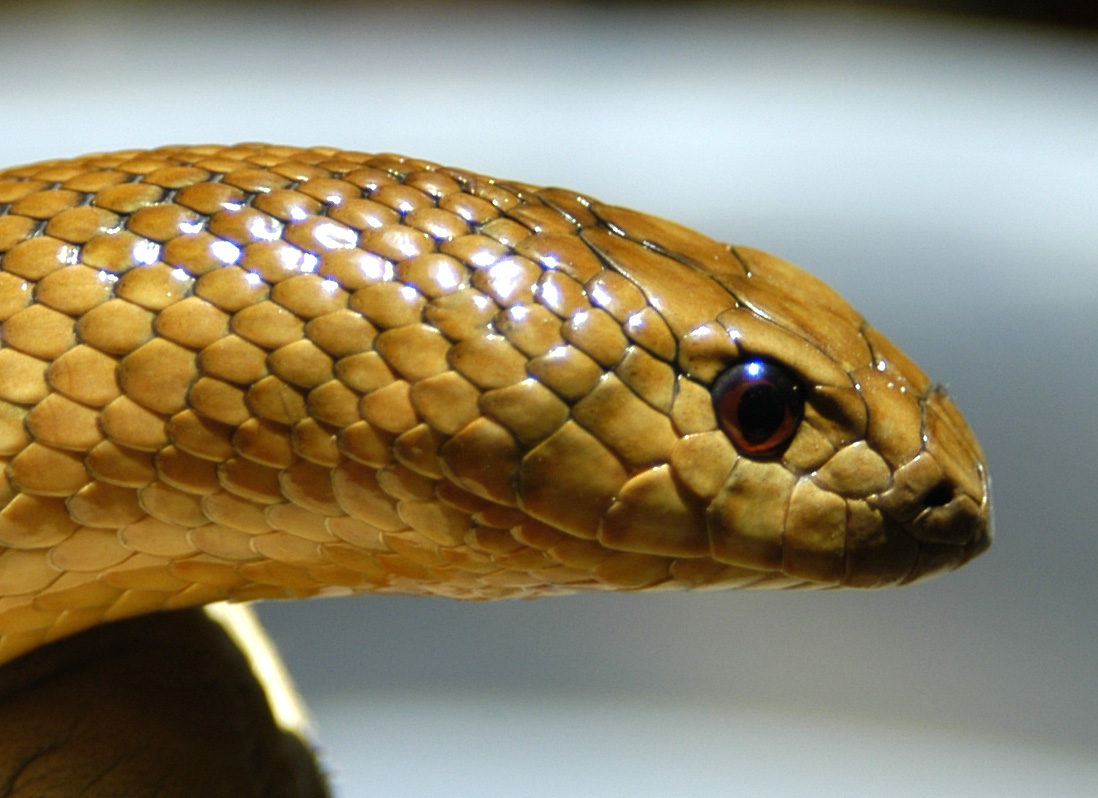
(231, 373)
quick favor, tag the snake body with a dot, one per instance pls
(260, 372)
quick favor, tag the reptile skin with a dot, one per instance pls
(260, 372)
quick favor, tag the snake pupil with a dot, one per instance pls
(761, 412)
(759, 406)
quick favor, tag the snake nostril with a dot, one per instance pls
(940, 495)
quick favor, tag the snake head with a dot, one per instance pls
(803, 448)
(265, 372)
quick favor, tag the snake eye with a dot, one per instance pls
(759, 406)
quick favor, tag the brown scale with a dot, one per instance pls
(267, 372)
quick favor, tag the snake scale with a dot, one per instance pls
(262, 372)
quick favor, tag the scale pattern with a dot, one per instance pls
(266, 372)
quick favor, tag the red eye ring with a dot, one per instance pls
(759, 406)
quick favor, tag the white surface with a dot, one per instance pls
(548, 747)
(944, 179)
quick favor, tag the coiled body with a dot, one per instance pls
(265, 372)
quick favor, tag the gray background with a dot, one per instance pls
(942, 175)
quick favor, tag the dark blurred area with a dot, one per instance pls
(1063, 14)
(1058, 13)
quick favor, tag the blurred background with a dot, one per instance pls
(937, 163)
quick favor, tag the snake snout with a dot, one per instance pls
(955, 507)
(948, 515)
(946, 490)
(940, 498)
(953, 527)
